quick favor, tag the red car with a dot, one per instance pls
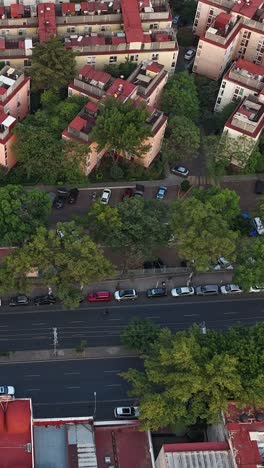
(127, 193)
(101, 296)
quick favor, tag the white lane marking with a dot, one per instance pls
(32, 389)
(2, 326)
(112, 370)
(115, 319)
(114, 385)
(32, 375)
(153, 316)
(76, 321)
(191, 315)
(78, 402)
(3, 339)
(74, 387)
(71, 373)
(229, 313)
(39, 323)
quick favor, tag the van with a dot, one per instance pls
(258, 225)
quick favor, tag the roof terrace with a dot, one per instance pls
(247, 73)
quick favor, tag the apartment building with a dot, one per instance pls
(14, 106)
(143, 86)
(245, 126)
(242, 79)
(228, 30)
(98, 32)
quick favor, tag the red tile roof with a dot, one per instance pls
(91, 106)
(46, 21)
(132, 21)
(77, 123)
(16, 434)
(196, 447)
(90, 73)
(2, 43)
(250, 67)
(222, 20)
(247, 7)
(161, 37)
(68, 8)
(17, 10)
(121, 89)
(2, 90)
(88, 6)
(118, 40)
(154, 67)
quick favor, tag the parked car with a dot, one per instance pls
(259, 187)
(19, 300)
(161, 193)
(139, 192)
(258, 225)
(100, 296)
(7, 390)
(151, 264)
(156, 292)
(207, 290)
(256, 288)
(182, 291)
(128, 192)
(230, 289)
(59, 202)
(126, 294)
(47, 299)
(126, 412)
(223, 263)
(189, 54)
(179, 21)
(106, 196)
(180, 171)
(73, 196)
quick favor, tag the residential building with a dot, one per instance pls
(242, 78)
(245, 126)
(98, 32)
(228, 30)
(143, 86)
(14, 106)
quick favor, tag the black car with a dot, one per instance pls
(139, 192)
(43, 300)
(59, 202)
(259, 187)
(19, 300)
(73, 196)
(156, 292)
(158, 264)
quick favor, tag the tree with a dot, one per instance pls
(207, 93)
(139, 335)
(182, 382)
(21, 213)
(224, 201)
(180, 97)
(122, 69)
(250, 268)
(53, 66)
(122, 128)
(65, 261)
(202, 234)
(101, 221)
(182, 139)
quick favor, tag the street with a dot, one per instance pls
(61, 389)
(31, 329)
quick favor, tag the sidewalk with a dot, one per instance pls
(97, 352)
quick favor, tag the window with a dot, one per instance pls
(91, 59)
(246, 34)
(219, 100)
(113, 59)
(27, 63)
(223, 84)
(22, 31)
(134, 58)
(173, 64)
(155, 56)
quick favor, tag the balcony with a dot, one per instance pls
(90, 89)
(19, 22)
(89, 19)
(4, 132)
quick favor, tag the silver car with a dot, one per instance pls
(126, 294)
(182, 291)
(207, 290)
(106, 196)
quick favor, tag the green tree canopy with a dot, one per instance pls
(122, 69)
(250, 268)
(202, 233)
(53, 66)
(122, 127)
(180, 97)
(139, 335)
(21, 213)
(182, 139)
(64, 261)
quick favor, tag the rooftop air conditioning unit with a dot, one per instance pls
(48, 8)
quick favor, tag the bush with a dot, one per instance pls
(185, 185)
(116, 172)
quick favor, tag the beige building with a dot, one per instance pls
(143, 86)
(228, 30)
(243, 78)
(99, 32)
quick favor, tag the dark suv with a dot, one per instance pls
(61, 198)
(19, 300)
(44, 300)
(73, 196)
(156, 292)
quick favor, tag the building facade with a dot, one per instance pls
(98, 32)
(143, 87)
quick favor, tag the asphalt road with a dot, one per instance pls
(22, 329)
(66, 388)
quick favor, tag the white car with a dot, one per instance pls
(223, 263)
(189, 54)
(182, 291)
(126, 412)
(126, 294)
(106, 196)
(7, 390)
(231, 289)
(180, 170)
(257, 288)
